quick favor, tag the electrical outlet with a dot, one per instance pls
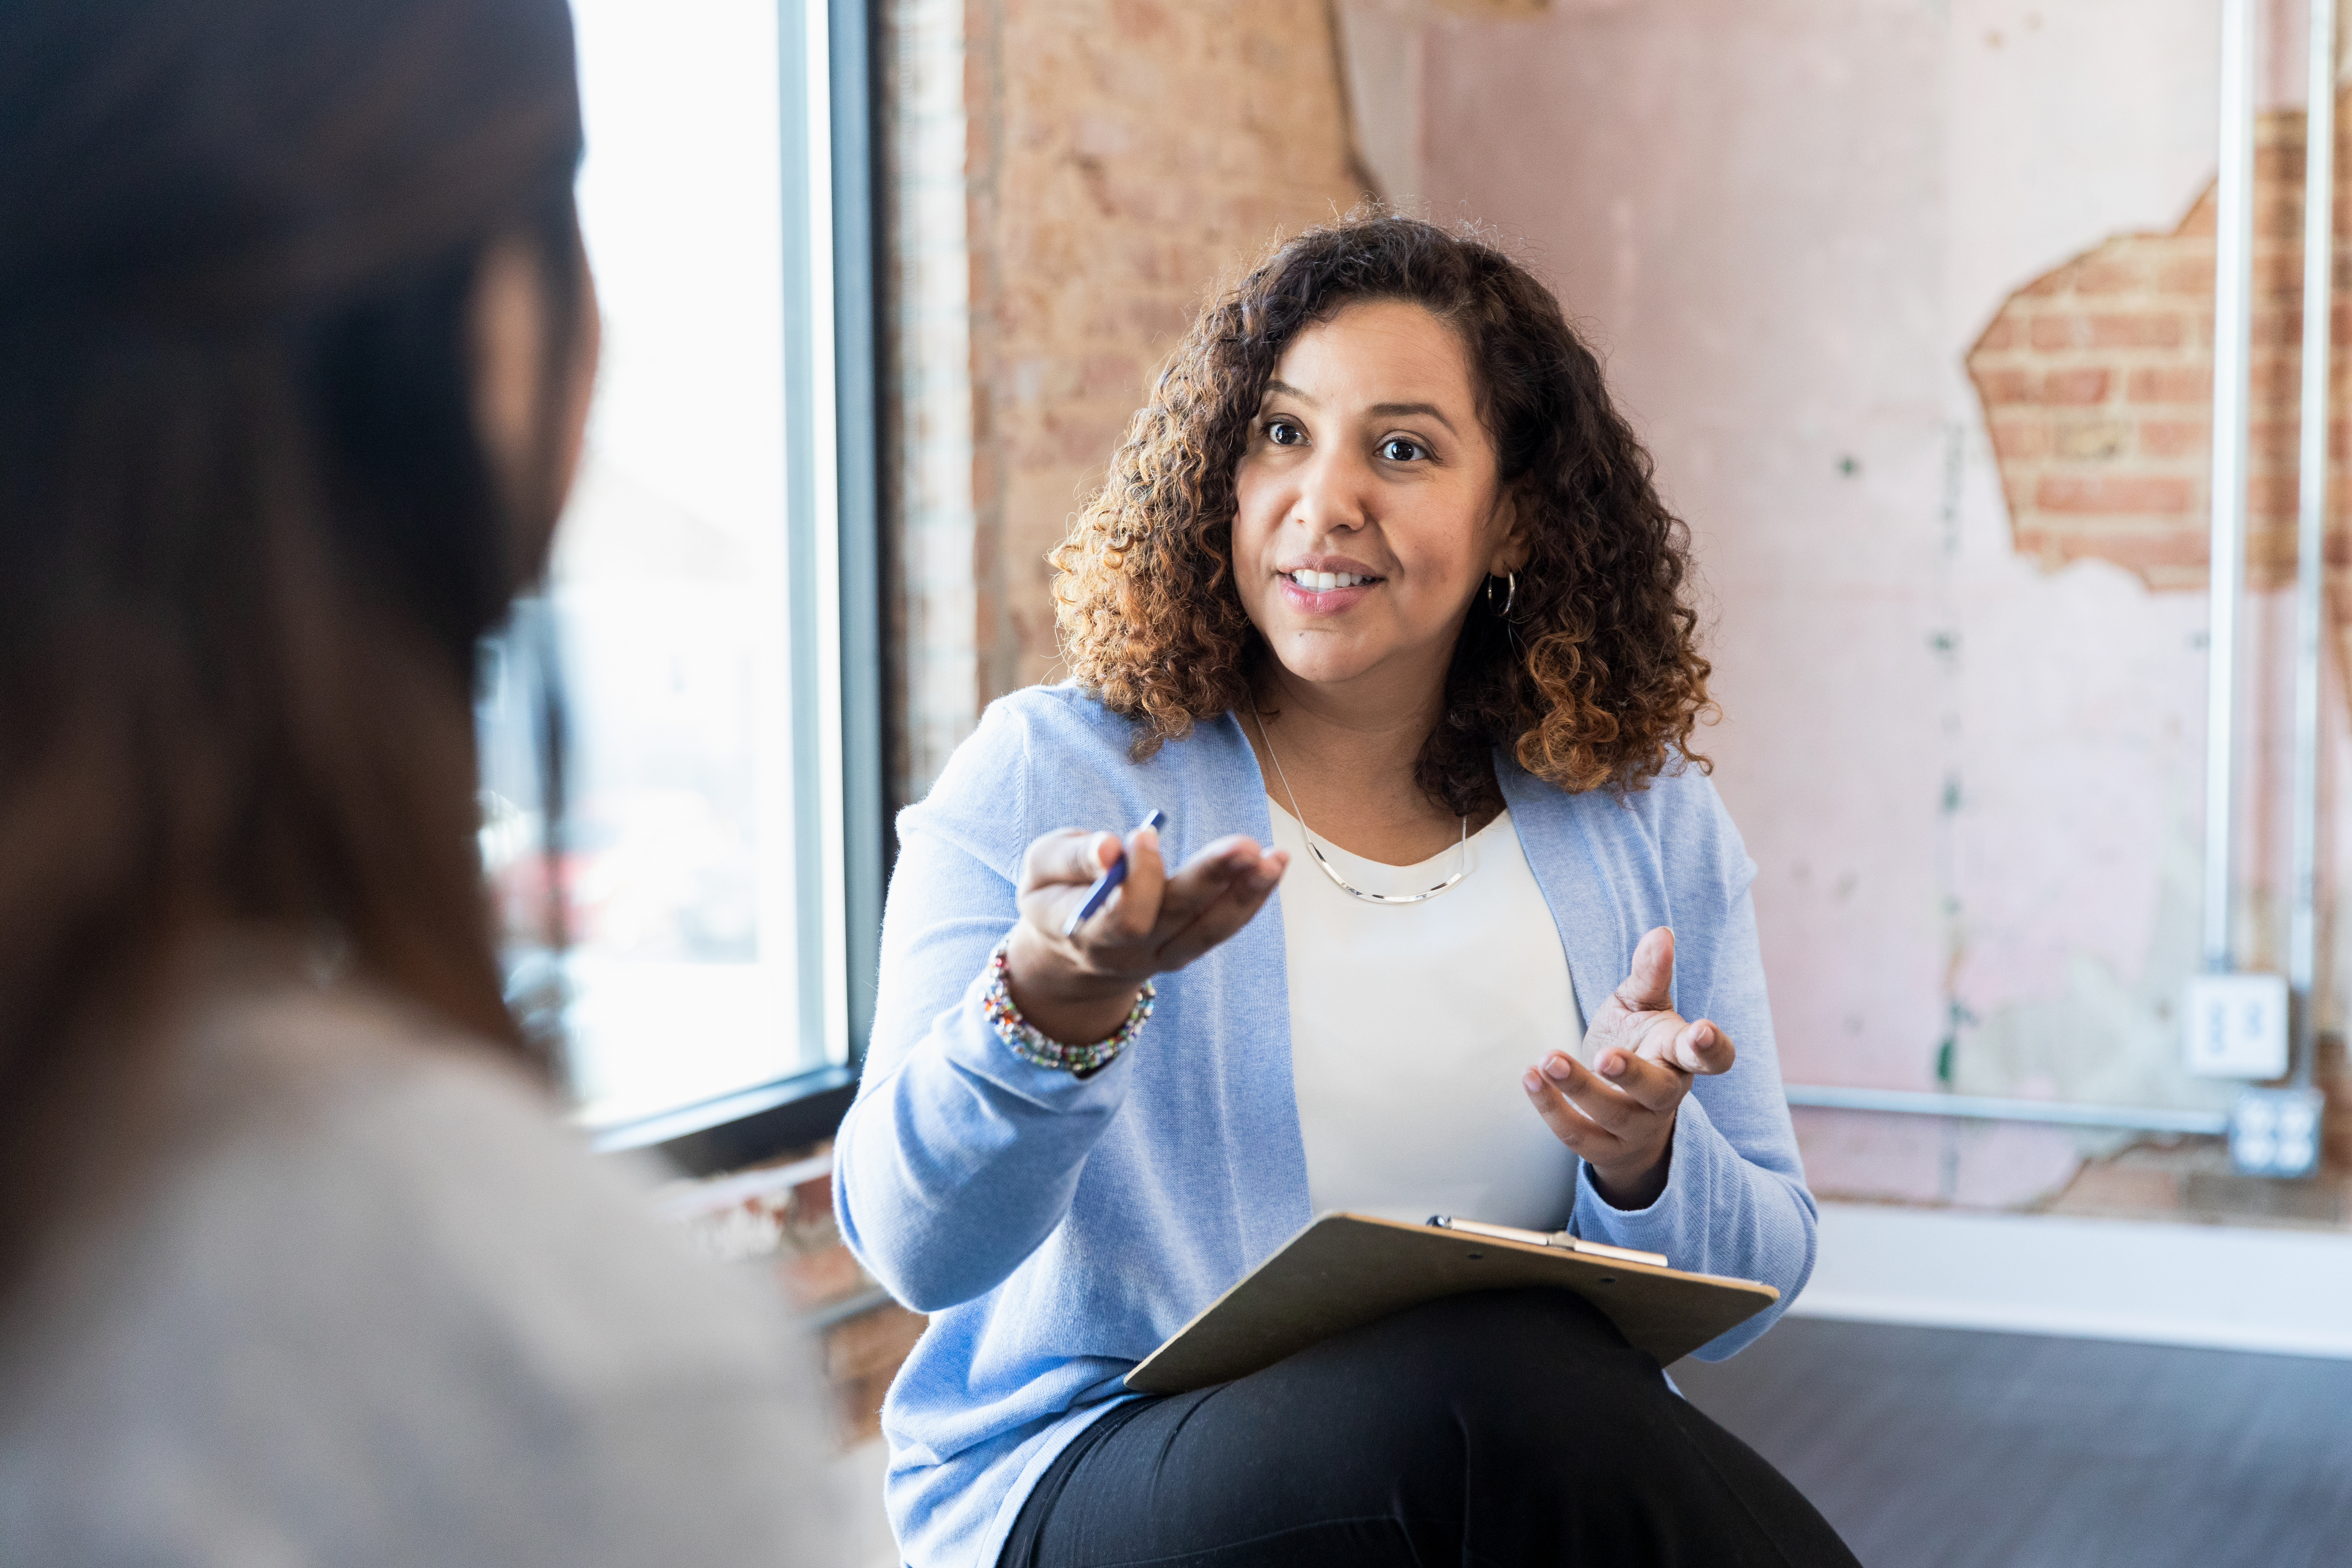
(2275, 1132)
(2234, 1025)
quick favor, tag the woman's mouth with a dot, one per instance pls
(1326, 593)
(1324, 582)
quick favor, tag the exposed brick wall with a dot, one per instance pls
(780, 1216)
(931, 656)
(2096, 382)
(2097, 385)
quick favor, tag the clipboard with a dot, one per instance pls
(1345, 1270)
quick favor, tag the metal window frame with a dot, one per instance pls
(832, 412)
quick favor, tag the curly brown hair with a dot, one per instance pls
(1596, 678)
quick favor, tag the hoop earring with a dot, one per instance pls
(1510, 594)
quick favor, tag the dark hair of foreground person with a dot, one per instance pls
(248, 533)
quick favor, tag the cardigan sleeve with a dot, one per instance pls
(1735, 1201)
(958, 1157)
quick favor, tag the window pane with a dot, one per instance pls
(667, 606)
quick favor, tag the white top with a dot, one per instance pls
(1411, 1026)
(368, 1305)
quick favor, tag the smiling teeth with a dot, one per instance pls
(1324, 582)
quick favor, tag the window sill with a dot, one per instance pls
(738, 1130)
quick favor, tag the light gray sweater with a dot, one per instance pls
(368, 1303)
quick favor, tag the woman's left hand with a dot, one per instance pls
(1619, 1113)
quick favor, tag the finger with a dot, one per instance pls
(1584, 1137)
(1134, 909)
(1650, 986)
(1658, 1087)
(1220, 918)
(1609, 1106)
(1204, 878)
(1066, 855)
(1703, 1047)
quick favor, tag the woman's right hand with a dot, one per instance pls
(1076, 989)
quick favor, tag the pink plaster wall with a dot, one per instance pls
(1972, 786)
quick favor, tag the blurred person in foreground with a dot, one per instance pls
(297, 1264)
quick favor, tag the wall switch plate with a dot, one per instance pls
(2275, 1132)
(2234, 1025)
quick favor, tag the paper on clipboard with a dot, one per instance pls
(1345, 1270)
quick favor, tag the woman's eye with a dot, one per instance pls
(1397, 449)
(1283, 433)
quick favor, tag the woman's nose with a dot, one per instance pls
(1331, 495)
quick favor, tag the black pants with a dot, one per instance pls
(1506, 1428)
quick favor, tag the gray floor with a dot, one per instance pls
(1940, 1448)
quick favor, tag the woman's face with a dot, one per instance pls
(1368, 512)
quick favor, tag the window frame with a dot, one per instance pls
(833, 589)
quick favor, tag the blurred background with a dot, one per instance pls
(1914, 302)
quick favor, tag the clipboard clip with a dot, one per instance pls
(1558, 1238)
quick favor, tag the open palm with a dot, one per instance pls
(1617, 1113)
(1639, 1017)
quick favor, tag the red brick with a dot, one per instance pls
(813, 1279)
(2017, 439)
(2112, 273)
(2279, 162)
(2142, 549)
(2276, 328)
(2007, 386)
(1077, 439)
(1138, 20)
(2115, 494)
(814, 1197)
(2273, 378)
(871, 1342)
(2105, 1187)
(2278, 218)
(2001, 334)
(1111, 373)
(2163, 383)
(2270, 559)
(2271, 496)
(2054, 333)
(2075, 388)
(2091, 440)
(861, 1409)
(2272, 439)
(2279, 273)
(2175, 437)
(2135, 330)
(2191, 275)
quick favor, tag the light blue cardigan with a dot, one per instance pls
(1058, 1229)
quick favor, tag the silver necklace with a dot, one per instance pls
(1332, 871)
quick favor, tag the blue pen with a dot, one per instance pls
(1113, 875)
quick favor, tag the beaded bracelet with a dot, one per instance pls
(1030, 1044)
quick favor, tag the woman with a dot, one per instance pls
(296, 342)
(1379, 580)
